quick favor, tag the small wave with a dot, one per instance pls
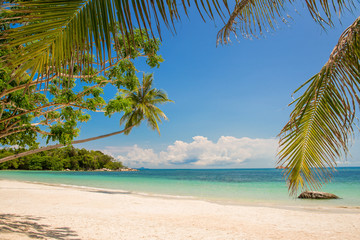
(164, 195)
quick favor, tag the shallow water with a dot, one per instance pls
(229, 186)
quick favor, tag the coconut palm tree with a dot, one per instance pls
(58, 33)
(143, 101)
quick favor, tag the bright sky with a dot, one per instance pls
(230, 101)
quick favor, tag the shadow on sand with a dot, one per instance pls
(108, 192)
(30, 227)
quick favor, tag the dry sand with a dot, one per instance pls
(35, 211)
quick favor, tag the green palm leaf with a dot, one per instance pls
(321, 123)
(57, 34)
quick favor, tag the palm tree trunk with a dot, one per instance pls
(8, 158)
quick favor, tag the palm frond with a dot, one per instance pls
(328, 9)
(321, 123)
(253, 18)
(57, 34)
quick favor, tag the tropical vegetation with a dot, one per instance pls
(67, 158)
(139, 104)
(59, 34)
(53, 108)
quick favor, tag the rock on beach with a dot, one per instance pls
(317, 195)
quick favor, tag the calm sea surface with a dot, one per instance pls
(229, 186)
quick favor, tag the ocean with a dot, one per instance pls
(265, 187)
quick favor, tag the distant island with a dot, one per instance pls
(63, 159)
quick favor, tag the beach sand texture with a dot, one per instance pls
(36, 211)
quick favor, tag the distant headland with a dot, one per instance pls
(63, 159)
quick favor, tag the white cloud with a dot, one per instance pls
(201, 153)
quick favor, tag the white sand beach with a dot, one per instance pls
(36, 211)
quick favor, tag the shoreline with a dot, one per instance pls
(59, 212)
(125, 169)
(306, 205)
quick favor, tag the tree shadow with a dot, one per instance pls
(109, 192)
(29, 226)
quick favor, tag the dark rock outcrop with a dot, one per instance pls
(317, 195)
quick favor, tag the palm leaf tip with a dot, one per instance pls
(253, 18)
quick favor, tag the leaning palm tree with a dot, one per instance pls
(143, 102)
(58, 33)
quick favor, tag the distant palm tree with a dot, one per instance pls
(143, 102)
(61, 32)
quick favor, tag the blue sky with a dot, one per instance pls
(230, 101)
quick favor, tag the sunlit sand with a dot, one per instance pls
(29, 211)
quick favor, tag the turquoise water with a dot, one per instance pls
(229, 186)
